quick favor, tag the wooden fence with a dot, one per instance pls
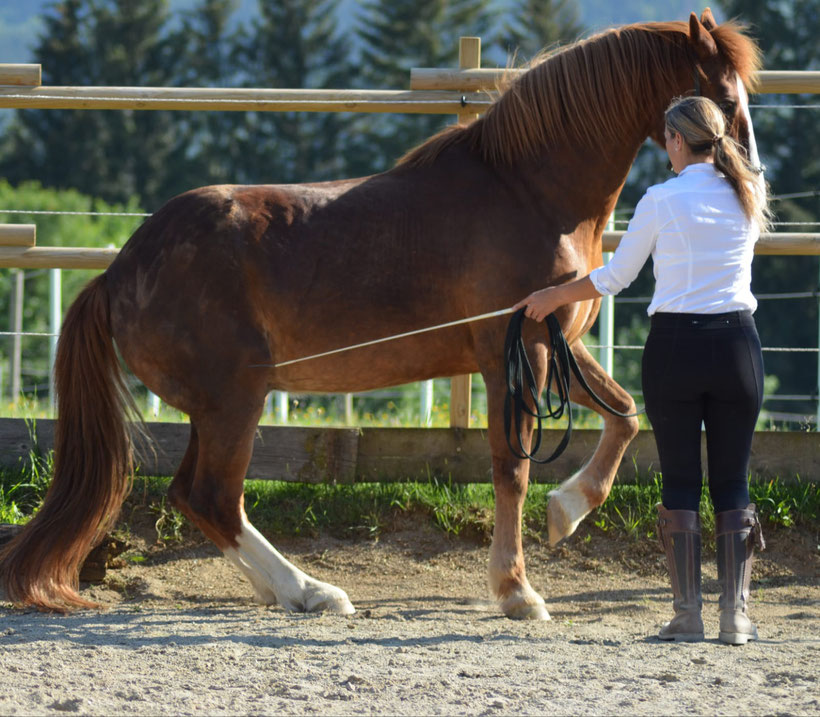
(360, 455)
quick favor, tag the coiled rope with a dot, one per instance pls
(521, 382)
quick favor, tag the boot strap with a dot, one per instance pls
(757, 533)
(740, 521)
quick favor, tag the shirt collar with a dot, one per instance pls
(698, 167)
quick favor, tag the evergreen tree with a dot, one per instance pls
(130, 43)
(536, 24)
(206, 151)
(294, 45)
(113, 155)
(51, 145)
(398, 35)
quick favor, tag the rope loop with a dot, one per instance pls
(521, 383)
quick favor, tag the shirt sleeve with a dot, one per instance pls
(634, 249)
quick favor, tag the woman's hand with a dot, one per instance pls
(544, 302)
(541, 303)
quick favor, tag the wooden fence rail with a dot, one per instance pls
(478, 80)
(781, 243)
(350, 455)
(20, 75)
(433, 91)
(240, 99)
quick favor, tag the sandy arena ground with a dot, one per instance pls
(182, 636)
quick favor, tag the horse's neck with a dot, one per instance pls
(598, 175)
(581, 181)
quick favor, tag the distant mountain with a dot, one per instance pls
(20, 23)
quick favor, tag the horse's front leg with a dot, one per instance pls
(507, 576)
(590, 486)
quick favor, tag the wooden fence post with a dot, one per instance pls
(16, 327)
(469, 57)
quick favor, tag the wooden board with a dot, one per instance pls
(240, 99)
(20, 75)
(345, 455)
(18, 235)
(476, 80)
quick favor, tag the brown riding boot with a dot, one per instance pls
(679, 533)
(736, 533)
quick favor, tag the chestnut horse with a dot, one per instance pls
(225, 278)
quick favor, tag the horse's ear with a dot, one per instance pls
(708, 20)
(701, 40)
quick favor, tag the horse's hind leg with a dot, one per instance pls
(180, 490)
(590, 486)
(209, 489)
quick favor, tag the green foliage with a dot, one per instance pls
(112, 155)
(23, 489)
(538, 24)
(170, 522)
(398, 35)
(53, 230)
(291, 146)
(786, 504)
(368, 509)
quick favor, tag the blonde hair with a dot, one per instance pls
(703, 127)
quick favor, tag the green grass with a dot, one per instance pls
(368, 509)
(22, 489)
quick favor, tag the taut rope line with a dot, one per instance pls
(520, 377)
(459, 322)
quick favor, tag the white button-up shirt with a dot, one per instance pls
(701, 242)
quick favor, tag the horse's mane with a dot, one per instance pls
(567, 91)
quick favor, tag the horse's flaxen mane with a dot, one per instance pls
(591, 91)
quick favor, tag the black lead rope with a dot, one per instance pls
(520, 377)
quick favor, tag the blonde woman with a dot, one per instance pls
(702, 363)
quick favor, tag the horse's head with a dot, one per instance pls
(723, 81)
(724, 59)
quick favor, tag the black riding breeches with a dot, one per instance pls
(703, 369)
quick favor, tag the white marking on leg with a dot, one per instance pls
(270, 572)
(523, 603)
(264, 595)
(568, 506)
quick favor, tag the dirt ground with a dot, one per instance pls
(182, 636)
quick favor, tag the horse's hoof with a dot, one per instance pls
(525, 607)
(328, 598)
(522, 611)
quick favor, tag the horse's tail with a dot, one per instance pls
(92, 464)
